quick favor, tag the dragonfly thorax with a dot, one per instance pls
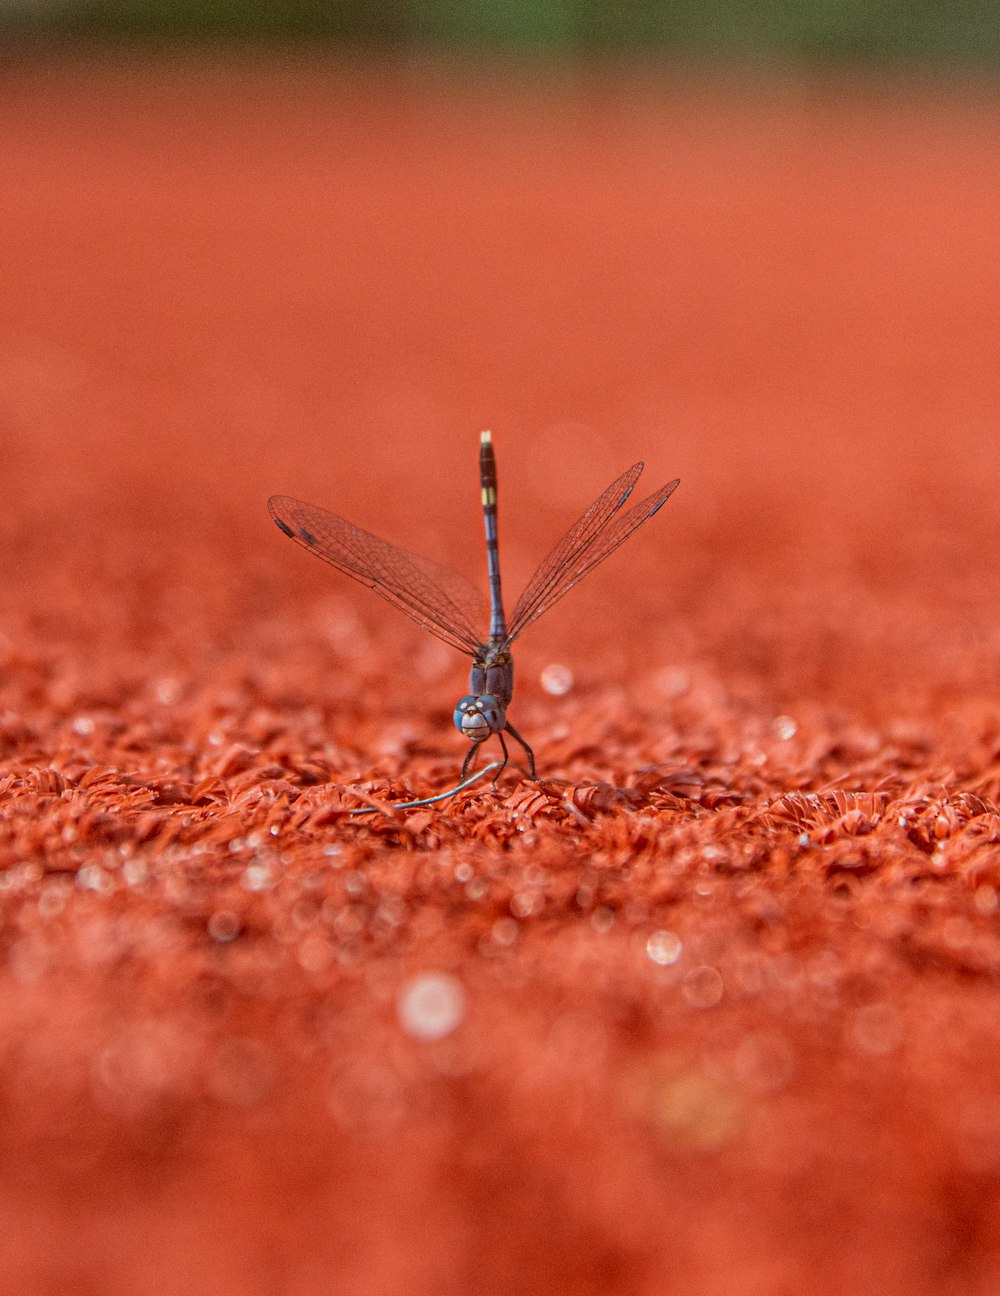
(477, 717)
(492, 673)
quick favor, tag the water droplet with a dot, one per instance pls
(355, 883)
(431, 1006)
(257, 877)
(504, 931)
(784, 727)
(167, 691)
(135, 872)
(664, 947)
(557, 679)
(523, 904)
(18, 876)
(223, 926)
(93, 878)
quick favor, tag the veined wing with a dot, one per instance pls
(440, 600)
(594, 536)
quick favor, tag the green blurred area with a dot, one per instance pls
(964, 31)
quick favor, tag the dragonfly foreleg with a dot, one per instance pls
(468, 758)
(506, 758)
(531, 755)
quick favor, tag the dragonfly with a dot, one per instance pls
(452, 608)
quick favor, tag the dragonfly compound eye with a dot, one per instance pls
(492, 712)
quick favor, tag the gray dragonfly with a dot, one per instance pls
(451, 608)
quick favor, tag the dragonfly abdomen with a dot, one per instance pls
(488, 481)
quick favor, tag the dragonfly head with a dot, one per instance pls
(478, 717)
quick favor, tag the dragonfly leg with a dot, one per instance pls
(506, 758)
(531, 755)
(468, 757)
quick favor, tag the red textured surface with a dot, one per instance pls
(777, 770)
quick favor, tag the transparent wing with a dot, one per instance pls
(595, 535)
(440, 600)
